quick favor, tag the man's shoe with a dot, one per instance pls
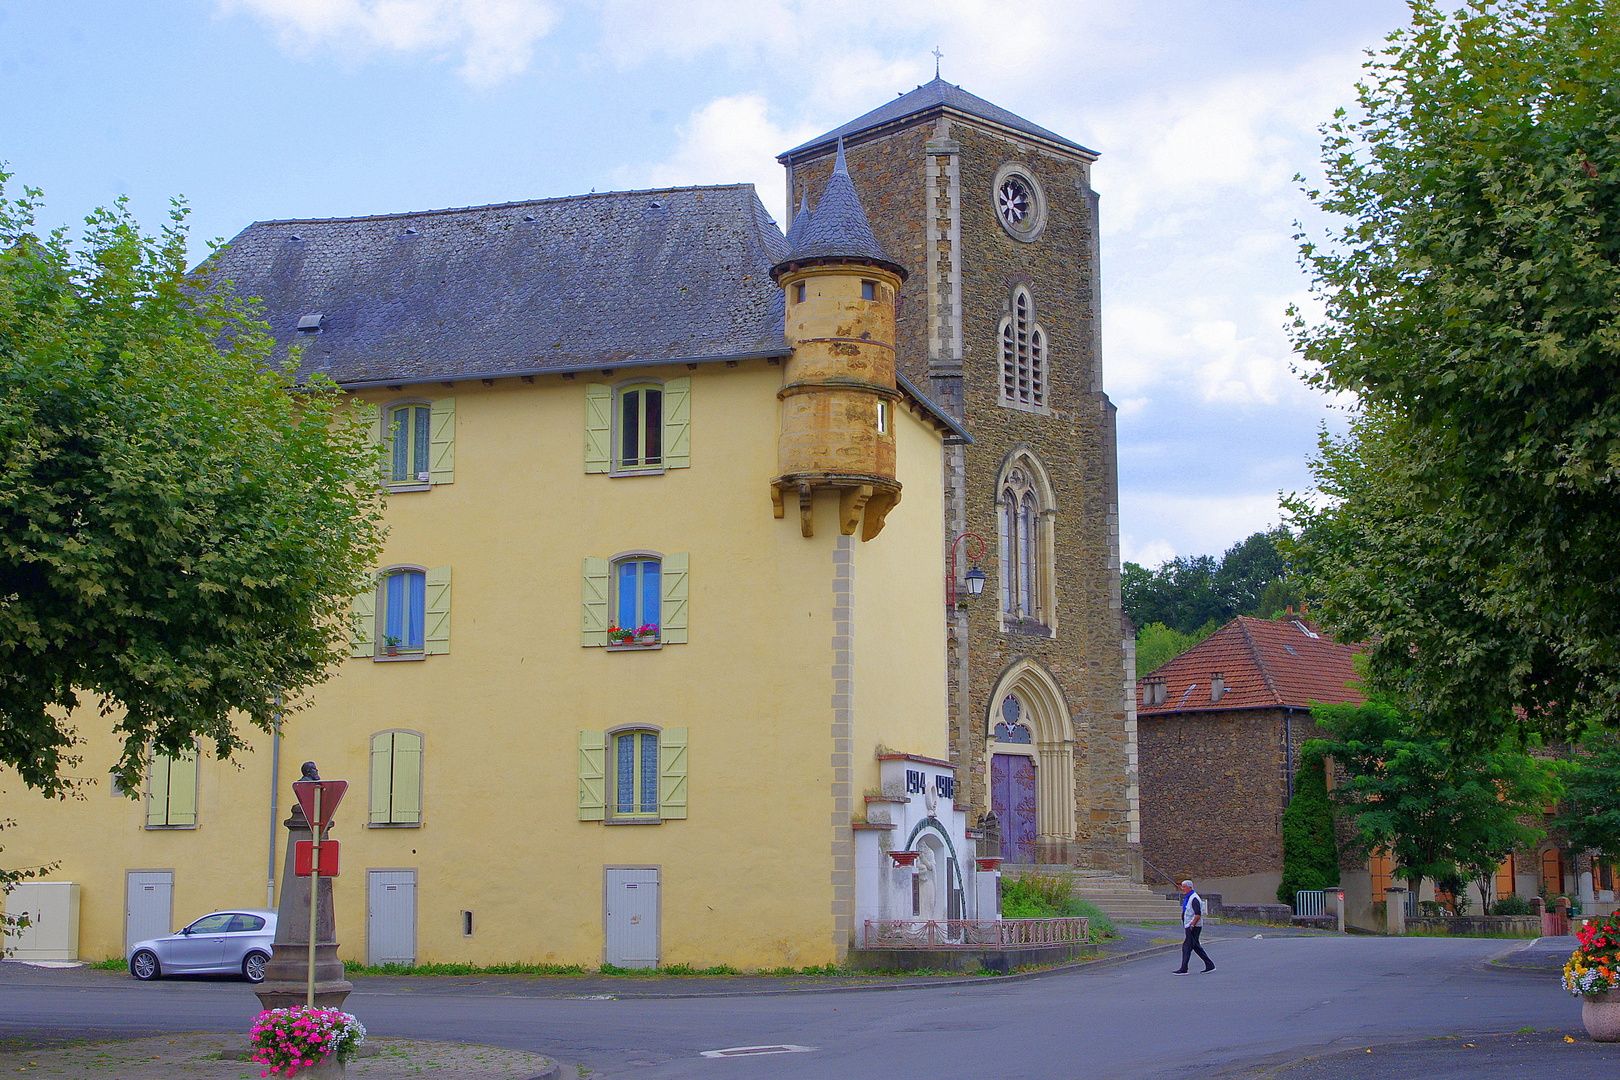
(1183, 971)
(1209, 969)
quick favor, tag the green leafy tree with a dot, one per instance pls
(181, 527)
(1255, 576)
(1157, 644)
(1440, 808)
(1589, 813)
(1471, 305)
(1310, 847)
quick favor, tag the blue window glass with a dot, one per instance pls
(404, 608)
(640, 593)
(410, 434)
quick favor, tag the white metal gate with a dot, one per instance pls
(391, 917)
(148, 905)
(631, 918)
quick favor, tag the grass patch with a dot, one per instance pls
(112, 963)
(463, 969)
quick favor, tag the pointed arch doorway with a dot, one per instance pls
(1029, 751)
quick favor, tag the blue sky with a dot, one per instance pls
(1203, 111)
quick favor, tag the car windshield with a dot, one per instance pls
(212, 924)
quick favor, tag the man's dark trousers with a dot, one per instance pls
(1189, 945)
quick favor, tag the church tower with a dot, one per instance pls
(999, 323)
(839, 388)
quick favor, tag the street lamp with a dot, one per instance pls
(974, 577)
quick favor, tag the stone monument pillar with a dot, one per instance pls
(286, 975)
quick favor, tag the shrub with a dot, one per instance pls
(1511, 905)
(1051, 896)
(1310, 848)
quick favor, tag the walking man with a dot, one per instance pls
(1192, 921)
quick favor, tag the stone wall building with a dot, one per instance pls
(999, 322)
(1221, 728)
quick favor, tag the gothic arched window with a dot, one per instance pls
(1023, 355)
(1024, 513)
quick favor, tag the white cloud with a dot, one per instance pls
(730, 139)
(1201, 525)
(493, 38)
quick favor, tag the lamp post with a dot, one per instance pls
(974, 577)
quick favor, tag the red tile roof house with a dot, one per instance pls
(1219, 732)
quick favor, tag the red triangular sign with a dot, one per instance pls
(331, 794)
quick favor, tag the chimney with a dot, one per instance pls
(1217, 687)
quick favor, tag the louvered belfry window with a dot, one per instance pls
(1023, 355)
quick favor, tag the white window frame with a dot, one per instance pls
(421, 479)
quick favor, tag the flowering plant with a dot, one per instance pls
(647, 629)
(1595, 966)
(286, 1040)
(618, 635)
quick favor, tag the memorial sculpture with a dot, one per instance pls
(286, 975)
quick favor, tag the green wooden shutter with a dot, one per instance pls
(442, 433)
(672, 628)
(382, 776)
(598, 428)
(183, 789)
(592, 776)
(376, 435)
(594, 605)
(363, 624)
(678, 424)
(672, 773)
(406, 805)
(157, 791)
(436, 613)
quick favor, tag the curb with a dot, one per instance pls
(966, 980)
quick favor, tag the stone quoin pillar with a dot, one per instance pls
(286, 975)
(1395, 911)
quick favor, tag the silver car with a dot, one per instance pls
(223, 942)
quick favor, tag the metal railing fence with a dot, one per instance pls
(972, 933)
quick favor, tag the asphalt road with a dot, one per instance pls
(1273, 1002)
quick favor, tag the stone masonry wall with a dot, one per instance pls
(1073, 437)
(1214, 788)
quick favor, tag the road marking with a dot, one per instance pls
(749, 1051)
(594, 997)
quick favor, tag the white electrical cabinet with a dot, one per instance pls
(52, 908)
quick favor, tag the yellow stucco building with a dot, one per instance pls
(644, 410)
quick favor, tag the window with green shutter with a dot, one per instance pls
(639, 598)
(633, 775)
(638, 428)
(406, 617)
(396, 778)
(171, 792)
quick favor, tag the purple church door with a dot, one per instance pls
(1012, 797)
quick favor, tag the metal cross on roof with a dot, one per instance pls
(938, 56)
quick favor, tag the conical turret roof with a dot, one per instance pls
(837, 230)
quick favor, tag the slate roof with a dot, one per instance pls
(837, 228)
(929, 97)
(615, 279)
(1266, 664)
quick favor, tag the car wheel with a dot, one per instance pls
(144, 965)
(253, 966)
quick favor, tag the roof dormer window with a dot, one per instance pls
(311, 324)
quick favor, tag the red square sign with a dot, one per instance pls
(304, 858)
